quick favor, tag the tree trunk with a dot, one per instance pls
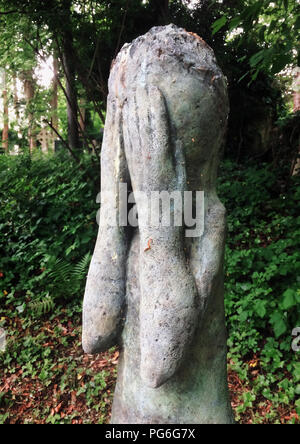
(5, 115)
(16, 99)
(73, 136)
(29, 95)
(82, 113)
(54, 100)
(69, 70)
(296, 163)
(296, 88)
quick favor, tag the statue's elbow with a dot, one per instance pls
(89, 346)
(93, 345)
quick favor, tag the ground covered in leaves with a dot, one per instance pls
(46, 378)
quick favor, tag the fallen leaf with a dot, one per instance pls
(57, 408)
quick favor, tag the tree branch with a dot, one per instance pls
(63, 141)
(122, 28)
(15, 11)
(86, 173)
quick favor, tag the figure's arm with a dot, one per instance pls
(105, 287)
(169, 301)
(207, 252)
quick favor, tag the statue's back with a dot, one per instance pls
(166, 119)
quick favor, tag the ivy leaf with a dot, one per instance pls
(278, 323)
(289, 299)
(296, 371)
(279, 328)
(260, 308)
(297, 404)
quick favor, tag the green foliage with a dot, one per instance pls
(48, 224)
(272, 26)
(47, 230)
(45, 358)
(262, 274)
(65, 279)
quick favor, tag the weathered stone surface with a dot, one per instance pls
(166, 118)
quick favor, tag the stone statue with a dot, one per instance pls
(152, 290)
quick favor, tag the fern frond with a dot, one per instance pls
(80, 269)
(61, 271)
(66, 279)
(39, 308)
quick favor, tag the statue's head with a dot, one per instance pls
(193, 86)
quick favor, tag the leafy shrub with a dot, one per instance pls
(48, 225)
(262, 281)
